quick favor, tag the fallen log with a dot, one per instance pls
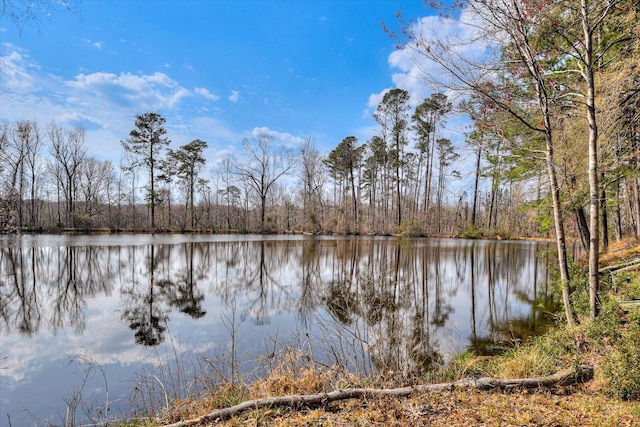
(565, 377)
(634, 263)
(630, 305)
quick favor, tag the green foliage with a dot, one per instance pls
(475, 232)
(604, 331)
(620, 366)
(579, 288)
(410, 229)
(82, 220)
(545, 223)
(628, 286)
(501, 234)
(465, 364)
(524, 361)
(345, 158)
(472, 232)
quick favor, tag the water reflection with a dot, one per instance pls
(51, 282)
(364, 303)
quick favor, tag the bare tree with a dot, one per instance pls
(312, 182)
(32, 161)
(11, 162)
(67, 149)
(25, 13)
(262, 168)
(14, 152)
(96, 178)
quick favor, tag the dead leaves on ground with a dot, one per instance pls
(458, 408)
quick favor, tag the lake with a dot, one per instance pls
(102, 325)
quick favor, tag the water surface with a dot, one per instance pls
(106, 324)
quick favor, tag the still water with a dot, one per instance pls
(99, 326)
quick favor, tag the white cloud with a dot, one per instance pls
(206, 93)
(15, 71)
(97, 45)
(106, 104)
(286, 139)
(376, 98)
(459, 41)
(155, 91)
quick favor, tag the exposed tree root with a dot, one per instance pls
(562, 378)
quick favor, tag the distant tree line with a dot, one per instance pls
(394, 183)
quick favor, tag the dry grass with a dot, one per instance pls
(622, 251)
(579, 405)
(459, 408)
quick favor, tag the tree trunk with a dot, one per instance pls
(618, 213)
(605, 220)
(355, 200)
(559, 226)
(593, 161)
(583, 227)
(475, 187)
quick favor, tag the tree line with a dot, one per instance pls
(386, 185)
(393, 183)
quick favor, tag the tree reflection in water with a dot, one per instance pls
(49, 286)
(186, 296)
(143, 308)
(365, 303)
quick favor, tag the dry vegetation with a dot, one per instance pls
(583, 405)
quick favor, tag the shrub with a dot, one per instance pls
(409, 229)
(465, 364)
(628, 286)
(620, 366)
(471, 232)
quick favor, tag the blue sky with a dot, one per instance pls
(219, 71)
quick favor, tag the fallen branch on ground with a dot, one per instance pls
(632, 264)
(561, 378)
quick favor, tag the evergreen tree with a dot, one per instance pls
(392, 114)
(189, 161)
(147, 143)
